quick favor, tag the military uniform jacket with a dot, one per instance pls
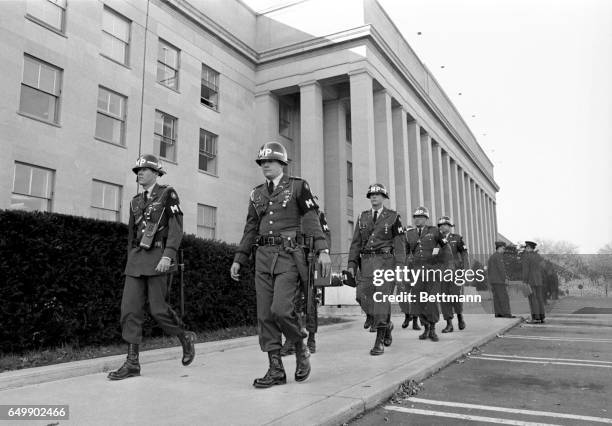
(454, 254)
(496, 269)
(289, 209)
(532, 268)
(419, 248)
(387, 232)
(163, 202)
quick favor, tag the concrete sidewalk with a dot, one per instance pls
(216, 388)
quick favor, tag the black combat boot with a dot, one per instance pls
(131, 366)
(312, 345)
(449, 326)
(432, 332)
(275, 374)
(379, 347)
(187, 339)
(406, 321)
(302, 361)
(388, 338)
(288, 348)
(415, 323)
(425, 334)
(368, 322)
(461, 322)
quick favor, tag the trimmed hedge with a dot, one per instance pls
(61, 282)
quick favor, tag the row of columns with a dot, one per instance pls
(385, 147)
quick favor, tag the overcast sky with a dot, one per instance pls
(537, 75)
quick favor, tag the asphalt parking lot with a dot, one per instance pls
(556, 373)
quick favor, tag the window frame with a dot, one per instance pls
(286, 119)
(110, 115)
(62, 30)
(126, 61)
(211, 156)
(57, 86)
(119, 199)
(178, 64)
(199, 226)
(208, 84)
(51, 183)
(162, 137)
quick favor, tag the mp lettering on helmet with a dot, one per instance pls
(264, 152)
(141, 161)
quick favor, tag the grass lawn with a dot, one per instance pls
(67, 353)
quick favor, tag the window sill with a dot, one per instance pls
(167, 160)
(45, 25)
(115, 61)
(168, 87)
(204, 172)
(210, 108)
(110, 143)
(33, 117)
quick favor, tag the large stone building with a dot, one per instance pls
(88, 85)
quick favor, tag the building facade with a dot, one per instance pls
(89, 85)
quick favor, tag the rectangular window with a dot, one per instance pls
(207, 221)
(349, 179)
(40, 89)
(209, 92)
(208, 152)
(50, 13)
(115, 36)
(167, 65)
(164, 143)
(105, 201)
(348, 127)
(32, 188)
(110, 121)
(284, 120)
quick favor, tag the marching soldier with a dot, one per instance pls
(532, 275)
(454, 256)
(273, 225)
(378, 244)
(422, 244)
(155, 231)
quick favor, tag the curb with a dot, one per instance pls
(50, 373)
(381, 388)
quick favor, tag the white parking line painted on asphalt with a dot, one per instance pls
(577, 364)
(465, 416)
(512, 410)
(589, 361)
(564, 339)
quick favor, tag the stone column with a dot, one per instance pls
(266, 117)
(364, 148)
(415, 166)
(471, 227)
(439, 189)
(455, 196)
(311, 137)
(383, 135)
(335, 173)
(428, 176)
(401, 166)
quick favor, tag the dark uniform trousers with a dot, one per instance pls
(501, 302)
(135, 294)
(406, 307)
(277, 287)
(142, 281)
(376, 245)
(536, 302)
(426, 310)
(377, 306)
(454, 256)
